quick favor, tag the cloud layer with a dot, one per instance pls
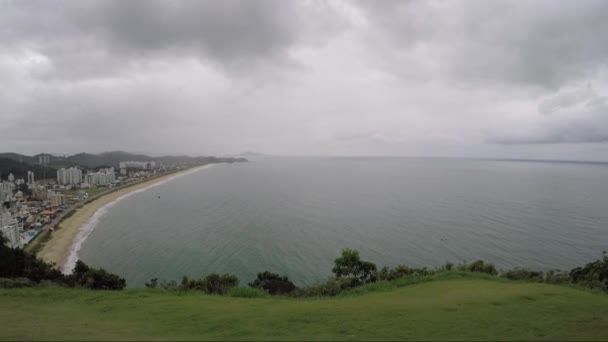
(473, 79)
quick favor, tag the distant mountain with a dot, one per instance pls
(18, 157)
(22, 163)
(20, 169)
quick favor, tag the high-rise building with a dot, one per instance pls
(9, 227)
(102, 177)
(30, 178)
(44, 159)
(71, 176)
(56, 199)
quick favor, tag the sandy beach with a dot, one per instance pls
(57, 249)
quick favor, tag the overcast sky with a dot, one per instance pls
(509, 79)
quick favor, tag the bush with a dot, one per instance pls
(213, 283)
(349, 264)
(6, 283)
(481, 267)
(557, 277)
(96, 279)
(593, 275)
(152, 284)
(273, 283)
(330, 287)
(523, 274)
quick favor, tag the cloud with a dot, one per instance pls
(89, 39)
(475, 79)
(536, 43)
(571, 116)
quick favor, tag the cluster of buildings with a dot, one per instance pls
(22, 216)
(28, 207)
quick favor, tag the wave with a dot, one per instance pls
(87, 228)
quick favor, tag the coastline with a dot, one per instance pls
(61, 244)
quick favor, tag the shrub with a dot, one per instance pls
(523, 274)
(330, 287)
(349, 264)
(557, 277)
(482, 267)
(593, 275)
(6, 283)
(152, 284)
(96, 279)
(217, 284)
(273, 283)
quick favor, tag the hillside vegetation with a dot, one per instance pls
(454, 305)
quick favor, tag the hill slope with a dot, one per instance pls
(20, 169)
(473, 308)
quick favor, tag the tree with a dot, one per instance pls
(273, 283)
(96, 279)
(220, 284)
(351, 265)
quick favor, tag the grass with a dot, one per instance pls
(452, 306)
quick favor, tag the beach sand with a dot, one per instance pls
(57, 249)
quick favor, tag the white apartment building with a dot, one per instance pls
(71, 176)
(102, 177)
(9, 227)
(30, 178)
(56, 199)
(6, 191)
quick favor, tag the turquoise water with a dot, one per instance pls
(293, 215)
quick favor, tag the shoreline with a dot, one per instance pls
(63, 243)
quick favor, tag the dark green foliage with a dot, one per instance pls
(593, 275)
(213, 283)
(96, 279)
(8, 283)
(556, 277)
(152, 284)
(481, 267)
(349, 264)
(16, 263)
(273, 283)
(398, 272)
(220, 284)
(19, 169)
(330, 287)
(523, 274)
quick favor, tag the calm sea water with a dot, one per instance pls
(294, 215)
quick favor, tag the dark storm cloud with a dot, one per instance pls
(470, 78)
(91, 38)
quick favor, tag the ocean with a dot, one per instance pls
(293, 215)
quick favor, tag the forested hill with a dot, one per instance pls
(20, 169)
(19, 164)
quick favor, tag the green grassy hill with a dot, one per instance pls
(457, 306)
